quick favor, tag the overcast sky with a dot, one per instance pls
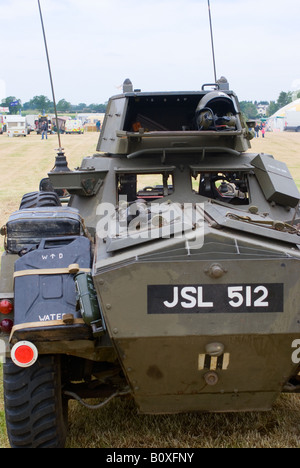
(159, 44)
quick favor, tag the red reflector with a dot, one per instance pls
(6, 307)
(24, 354)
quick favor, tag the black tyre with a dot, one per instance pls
(39, 200)
(35, 409)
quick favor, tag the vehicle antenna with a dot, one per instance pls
(212, 41)
(60, 161)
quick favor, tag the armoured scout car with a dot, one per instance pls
(165, 268)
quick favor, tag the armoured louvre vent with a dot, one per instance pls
(27, 228)
(43, 290)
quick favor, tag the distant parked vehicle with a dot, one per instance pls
(292, 121)
(16, 125)
(40, 122)
(61, 124)
(74, 126)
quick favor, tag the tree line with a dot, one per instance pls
(42, 104)
(249, 108)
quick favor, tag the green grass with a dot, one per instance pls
(3, 436)
(120, 426)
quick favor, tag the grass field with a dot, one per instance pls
(23, 162)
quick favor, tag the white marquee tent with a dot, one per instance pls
(278, 121)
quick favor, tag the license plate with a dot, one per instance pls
(215, 298)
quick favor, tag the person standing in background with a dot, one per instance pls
(45, 130)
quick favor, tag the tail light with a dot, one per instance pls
(6, 307)
(24, 354)
(6, 325)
